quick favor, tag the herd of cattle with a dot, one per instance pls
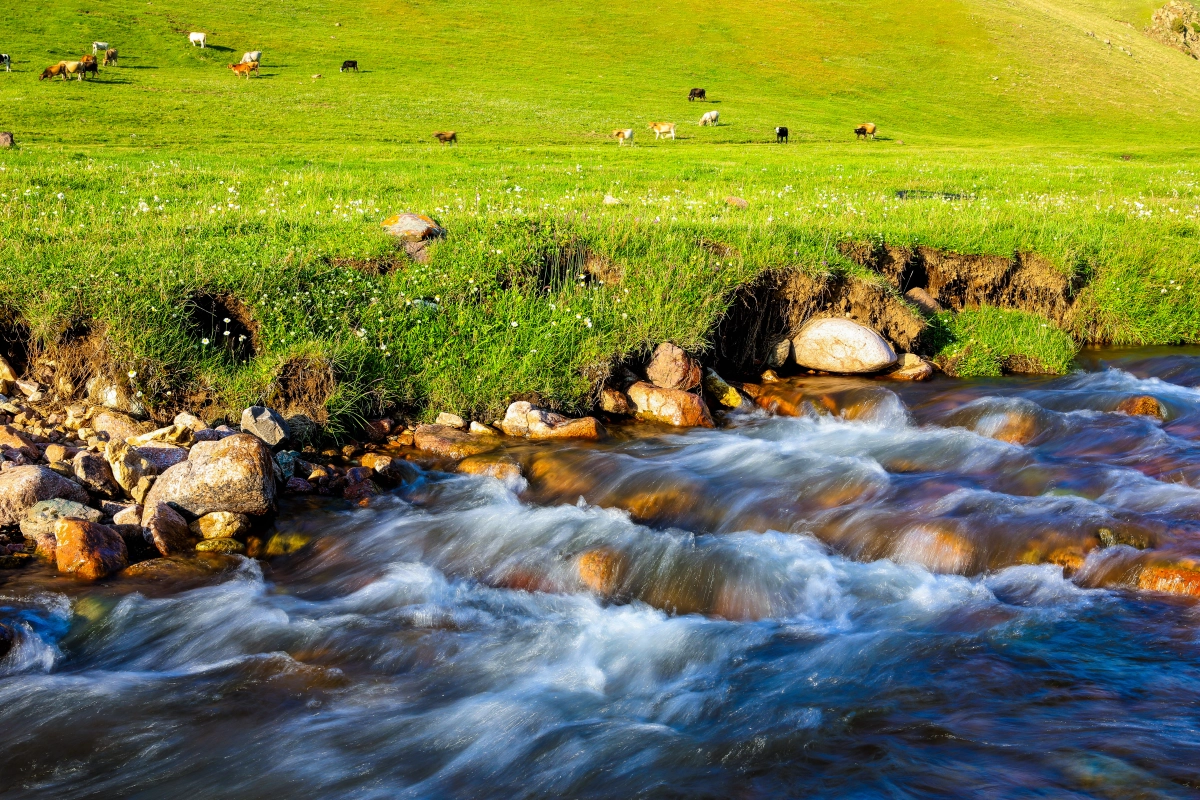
(87, 64)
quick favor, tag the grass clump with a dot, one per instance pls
(989, 342)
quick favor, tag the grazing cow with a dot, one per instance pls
(98, 46)
(349, 65)
(52, 71)
(623, 136)
(446, 137)
(245, 69)
(710, 118)
(70, 68)
(663, 129)
(87, 66)
(110, 57)
(86, 59)
(696, 94)
(253, 55)
(198, 39)
(781, 135)
(865, 130)
(6, 61)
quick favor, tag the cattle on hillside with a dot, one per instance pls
(781, 135)
(6, 61)
(623, 135)
(349, 64)
(110, 57)
(52, 71)
(197, 38)
(98, 46)
(245, 69)
(710, 118)
(253, 55)
(663, 129)
(446, 137)
(697, 94)
(865, 130)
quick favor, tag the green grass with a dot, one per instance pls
(988, 342)
(177, 178)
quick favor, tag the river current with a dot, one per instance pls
(901, 591)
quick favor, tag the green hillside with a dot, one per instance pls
(167, 178)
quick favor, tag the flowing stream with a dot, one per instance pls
(942, 589)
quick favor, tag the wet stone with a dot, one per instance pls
(227, 546)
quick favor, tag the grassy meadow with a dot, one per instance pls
(168, 179)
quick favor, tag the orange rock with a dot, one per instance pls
(1142, 406)
(614, 401)
(670, 406)
(936, 546)
(492, 466)
(672, 368)
(601, 570)
(1014, 427)
(450, 443)
(581, 428)
(1069, 558)
(88, 549)
(1176, 578)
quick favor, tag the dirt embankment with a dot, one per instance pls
(896, 303)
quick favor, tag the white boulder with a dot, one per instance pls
(837, 344)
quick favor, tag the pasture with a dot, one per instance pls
(135, 198)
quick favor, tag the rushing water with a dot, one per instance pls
(930, 592)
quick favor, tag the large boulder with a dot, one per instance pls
(524, 419)
(88, 549)
(162, 456)
(410, 227)
(13, 439)
(266, 424)
(22, 487)
(836, 344)
(41, 518)
(117, 426)
(670, 406)
(451, 443)
(671, 368)
(128, 465)
(94, 472)
(234, 474)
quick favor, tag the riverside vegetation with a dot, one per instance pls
(206, 244)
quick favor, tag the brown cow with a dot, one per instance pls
(245, 69)
(70, 68)
(52, 71)
(446, 137)
(110, 57)
(865, 130)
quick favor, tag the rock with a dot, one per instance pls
(451, 443)
(1142, 406)
(129, 467)
(59, 452)
(835, 344)
(8, 375)
(265, 424)
(289, 461)
(391, 470)
(412, 227)
(13, 439)
(1173, 578)
(283, 544)
(378, 430)
(500, 467)
(670, 406)
(189, 421)
(912, 368)
(737, 202)
(31, 389)
(117, 426)
(406, 438)
(166, 528)
(23, 487)
(88, 549)
(523, 419)
(778, 352)
(235, 474)
(227, 546)
(42, 517)
(924, 301)
(299, 486)
(671, 368)
(361, 491)
(8, 637)
(614, 401)
(172, 434)
(724, 394)
(479, 429)
(938, 548)
(769, 376)
(182, 568)
(129, 515)
(451, 421)
(357, 474)
(601, 570)
(162, 456)
(220, 525)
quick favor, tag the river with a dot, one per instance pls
(906, 590)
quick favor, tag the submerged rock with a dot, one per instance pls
(451, 443)
(492, 466)
(23, 487)
(1181, 577)
(227, 546)
(601, 570)
(88, 549)
(670, 406)
(841, 345)
(1142, 406)
(179, 568)
(526, 420)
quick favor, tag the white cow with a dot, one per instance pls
(6, 61)
(197, 39)
(710, 118)
(98, 46)
(624, 135)
(253, 55)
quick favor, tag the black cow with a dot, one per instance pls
(696, 94)
(781, 135)
(349, 65)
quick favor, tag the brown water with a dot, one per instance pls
(904, 590)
